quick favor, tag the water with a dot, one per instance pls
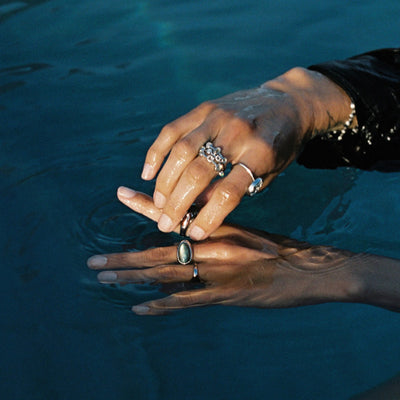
(84, 89)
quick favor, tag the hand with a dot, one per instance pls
(237, 266)
(263, 128)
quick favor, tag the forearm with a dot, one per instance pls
(334, 275)
(363, 278)
(378, 280)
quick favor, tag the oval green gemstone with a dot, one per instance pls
(184, 252)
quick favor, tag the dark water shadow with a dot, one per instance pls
(10, 8)
(389, 390)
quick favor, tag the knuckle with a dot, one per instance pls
(264, 148)
(239, 125)
(166, 273)
(222, 116)
(183, 149)
(187, 299)
(152, 154)
(160, 253)
(230, 252)
(230, 192)
(297, 74)
(125, 259)
(225, 250)
(207, 106)
(168, 130)
(195, 172)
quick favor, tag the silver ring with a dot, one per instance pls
(195, 271)
(184, 252)
(195, 277)
(254, 186)
(187, 219)
(214, 156)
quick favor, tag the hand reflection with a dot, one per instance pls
(236, 266)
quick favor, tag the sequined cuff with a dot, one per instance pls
(372, 81)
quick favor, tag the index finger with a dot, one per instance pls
(169, 135)
(143, 204)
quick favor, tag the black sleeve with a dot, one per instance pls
(372, 80)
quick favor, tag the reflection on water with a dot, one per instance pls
(84, 89)
(23, 69)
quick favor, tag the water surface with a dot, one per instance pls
(84, 89)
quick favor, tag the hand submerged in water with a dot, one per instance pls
(236, 266)
(263, 128)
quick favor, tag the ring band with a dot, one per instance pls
(195, 277)
(187, 219)
(254, 186)
(184, 252)
(214, 156)
(195, 271)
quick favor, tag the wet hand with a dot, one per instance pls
(236, 266)
(262, 128)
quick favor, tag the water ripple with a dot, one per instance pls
(110, 227)
(24, 69)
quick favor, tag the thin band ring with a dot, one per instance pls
(196, 277)
(248, 170)
(187, 219)
(195, 271)
(254, 186)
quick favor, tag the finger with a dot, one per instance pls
(226, 195)
(169, 135)
(206, 194)
(182, 154)
(139, 202)
(160, 274)
(193, 181)
(215, 251)
(220, 198)
(143, 204)
(146, 258)
(191, 298)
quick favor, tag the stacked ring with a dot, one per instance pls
(254, 186)
(187, 219)
(214, 156)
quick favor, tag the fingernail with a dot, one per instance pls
(96, 261)
(140, 309)
(148, 172)
(159, 199)
(165, 223)
(126, 192)
(107, 277)
(197, 233)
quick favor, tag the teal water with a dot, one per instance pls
(85, 88)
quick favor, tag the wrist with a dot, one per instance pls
(339, 280)
(332, 106)
(325, 274)
(321, 104)
(378, 280)
(296, 84)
